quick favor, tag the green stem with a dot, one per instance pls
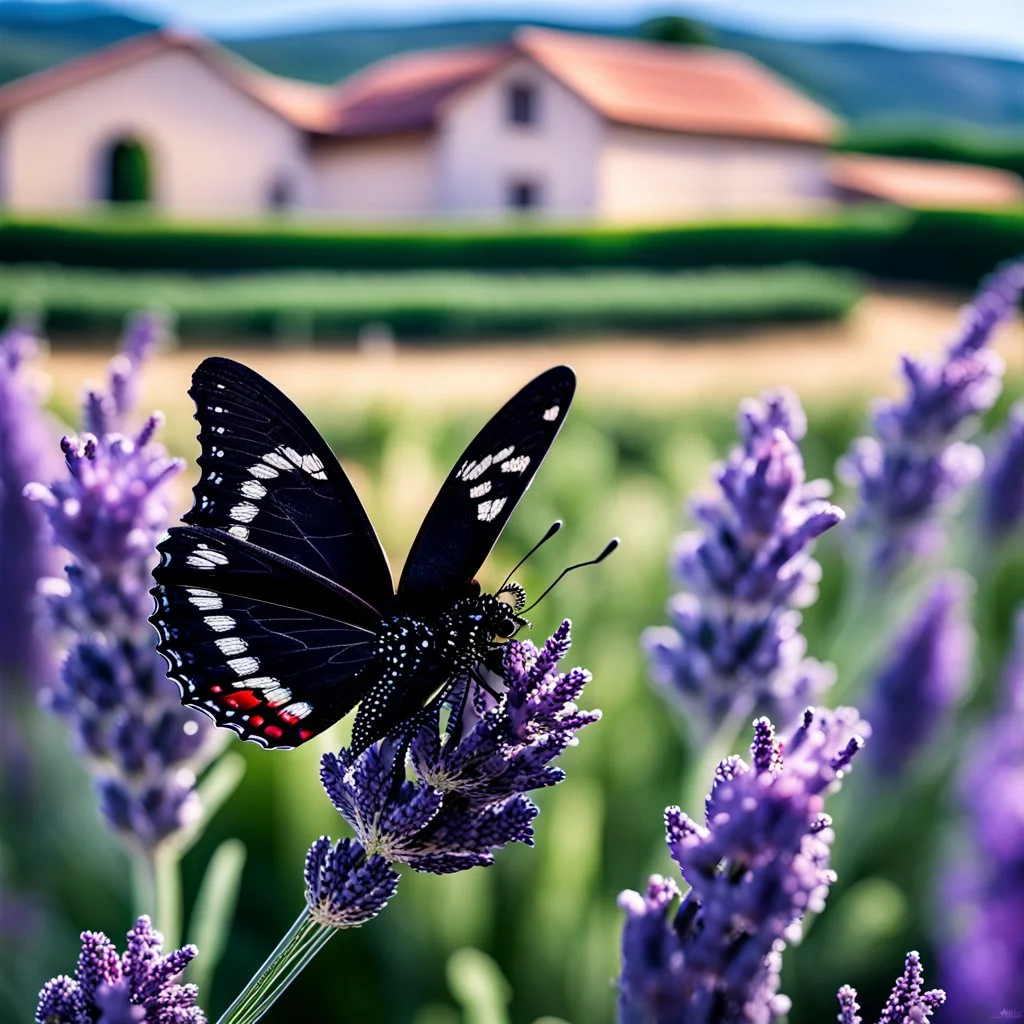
(143, 882)
(167, 882)
(302, 942)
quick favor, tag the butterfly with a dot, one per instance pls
(275, 606)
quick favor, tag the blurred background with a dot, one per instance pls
(400, 213)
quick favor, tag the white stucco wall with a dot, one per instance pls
(650, 175)
(378, 178)
(213, 150)
(480, 153)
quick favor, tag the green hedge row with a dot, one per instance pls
(939, 246)
(429, 304)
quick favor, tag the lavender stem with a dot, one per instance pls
(301, 943)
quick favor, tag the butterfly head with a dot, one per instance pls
(502, 612)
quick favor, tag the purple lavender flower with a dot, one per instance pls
(924, 676)
(344, 887)
(113, 689)
(910, 472)
(906, 1004)
(468, 794)
(757, 866)
(137, 987)
(26, 448)
(1002, 492)
(734, 644)
(984, 889)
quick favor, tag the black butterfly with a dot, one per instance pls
(275, 605)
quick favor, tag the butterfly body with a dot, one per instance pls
(274, 604)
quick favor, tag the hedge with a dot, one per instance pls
(939, 246)
(430, 304)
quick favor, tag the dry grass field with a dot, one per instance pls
(822, 363)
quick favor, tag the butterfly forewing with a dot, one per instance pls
(483, 488)
(267, 476)
(258, 643)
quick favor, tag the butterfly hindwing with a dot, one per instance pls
(258, 643)
(483, 488)
(267, 476)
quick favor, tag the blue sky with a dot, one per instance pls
(985, 26)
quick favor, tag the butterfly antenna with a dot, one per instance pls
(552, 530)
(608, 549)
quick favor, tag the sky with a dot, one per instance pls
(982, 26)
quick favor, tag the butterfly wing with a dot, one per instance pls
(267, 476)
(477, 498)
(259, 643)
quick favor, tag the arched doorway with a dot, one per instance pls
(127, 174)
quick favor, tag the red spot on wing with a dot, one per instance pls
(304, 734)
(273, 732)
(256, 721)
(242, 699)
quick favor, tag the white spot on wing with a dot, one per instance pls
(262, 471)
(244, 666)
(476, 469)
(480, 490)
(275, 698)
(253, 489)
(551, 414)
(205, 600)
(244, 512)
(504, 453)
(232, 644)
(220, 623)
(488, 510)
(516, 465)
(205, 558)
(300, 709)
(242, 532)
(278, 461)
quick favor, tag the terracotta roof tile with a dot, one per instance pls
(678, 88)
(305, 105)
(924, 183)
(405, 92)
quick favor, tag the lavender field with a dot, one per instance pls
(807, 655)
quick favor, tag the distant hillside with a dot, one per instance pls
(34, 36)
(861, 81)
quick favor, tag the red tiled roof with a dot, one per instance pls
(691, 89)
(404, 93)
(304, 104)
(924, 183)
(673, 88)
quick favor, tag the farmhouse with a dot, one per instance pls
(562, 124)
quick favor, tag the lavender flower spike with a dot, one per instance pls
(344, 887)
(984, 889)
(113, 689)
(26, 447)
(754, 869)
(734, 646)
(137, 987)
(907, 1004)
(468, 793)
(1002, 491)
(910, 472)
(924, 676)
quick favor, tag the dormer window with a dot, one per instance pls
(521, 99)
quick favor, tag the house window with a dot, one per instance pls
(126, 173)
(523, 194)
(281, 195)
(522, 104)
